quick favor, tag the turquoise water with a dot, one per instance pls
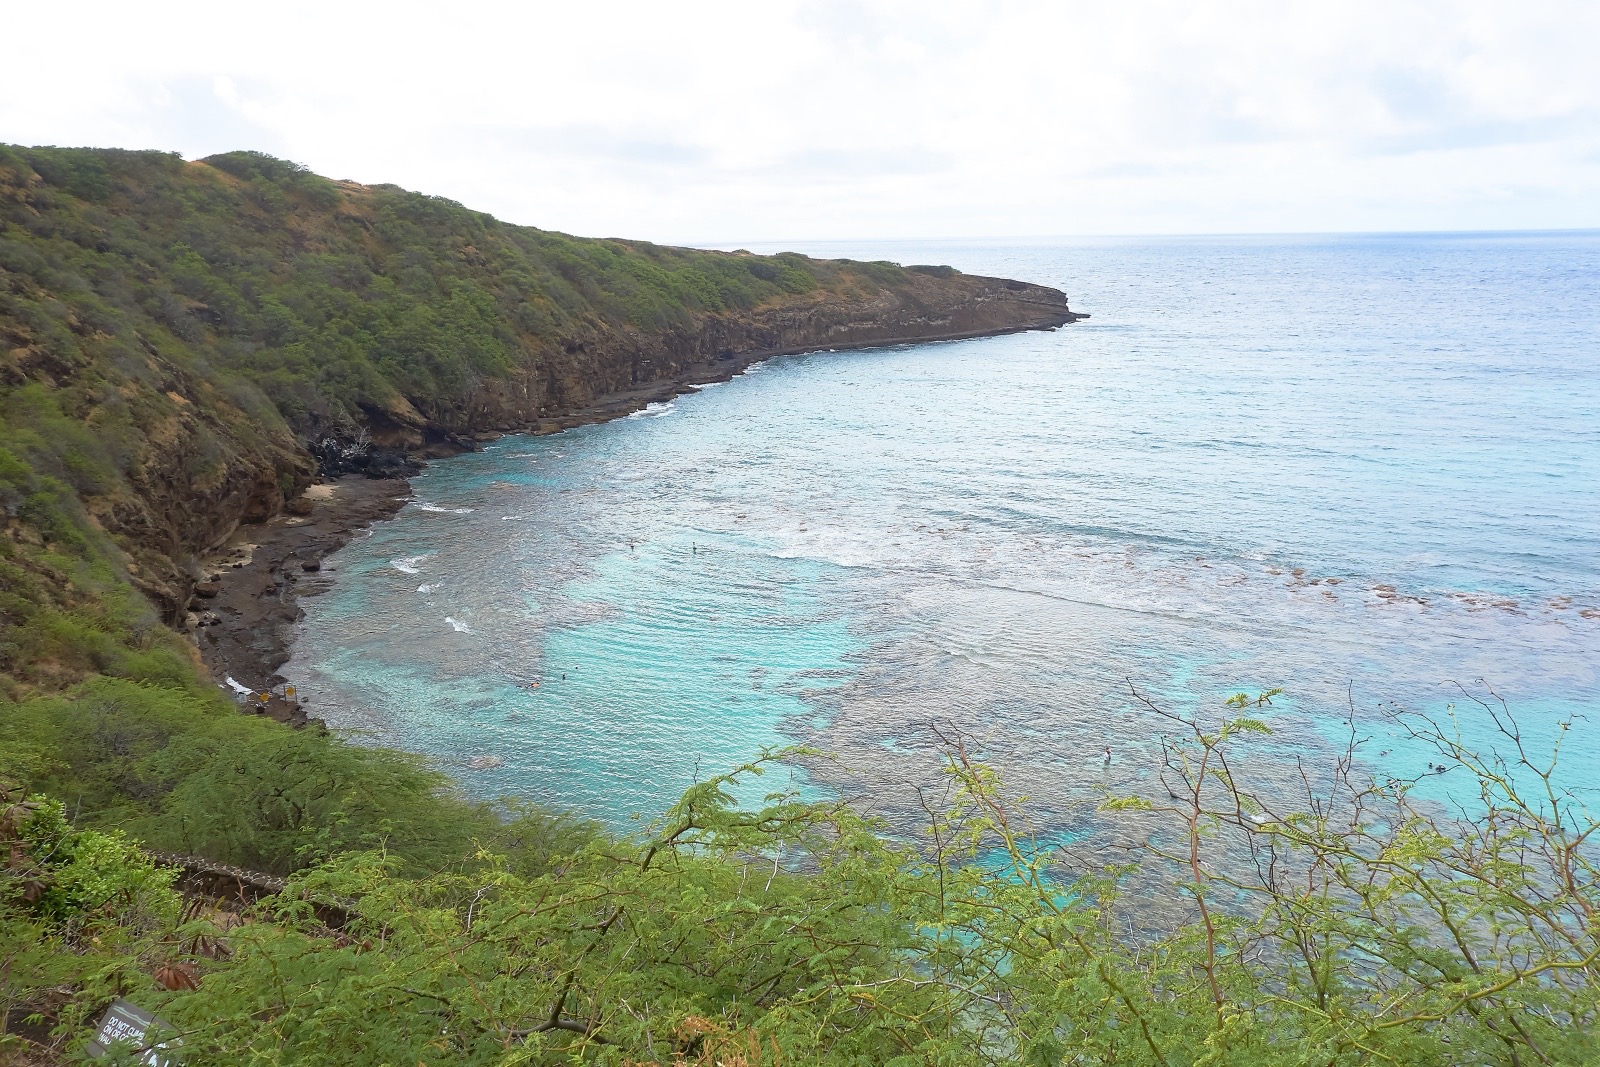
(1364, 469)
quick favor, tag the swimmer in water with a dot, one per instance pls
(1108, 755)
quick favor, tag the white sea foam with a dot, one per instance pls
(457, 625)
(654, 410)
(425, 505)
(427, 588)
(707, 385)
(839, 554)
(409, 564)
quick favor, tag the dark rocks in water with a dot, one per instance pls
(358, 455)
(255, 607)
(383, 463)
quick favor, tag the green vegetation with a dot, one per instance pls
(171, 333)
(1364, 931)
(171, 336)
(335, 299)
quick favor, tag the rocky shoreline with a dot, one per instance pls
(243, 615)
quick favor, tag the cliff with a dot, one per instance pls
(627, 362)
(179, 340)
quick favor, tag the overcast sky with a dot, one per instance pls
(762, 120)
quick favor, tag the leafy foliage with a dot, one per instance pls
(1368, 931)
(79, 910)
(187, 773)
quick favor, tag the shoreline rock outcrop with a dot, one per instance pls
(605, 368)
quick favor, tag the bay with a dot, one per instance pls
(1362, 469)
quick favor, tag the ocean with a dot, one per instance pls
(1362, 469)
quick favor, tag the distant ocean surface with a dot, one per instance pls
(1364, 469)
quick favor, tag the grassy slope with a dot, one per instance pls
(170, 333)
(333, 296)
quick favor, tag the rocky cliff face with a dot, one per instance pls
(245, 623)
(193, 476)
(194, 479)
(190, 492)
(624, 364)
(184, 344)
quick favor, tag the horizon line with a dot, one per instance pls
(1206, 234)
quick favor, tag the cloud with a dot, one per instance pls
(611, 145)
(204, 115)
(848, 165)
(741, 122)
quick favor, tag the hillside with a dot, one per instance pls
(176, 336)
(177, 341)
